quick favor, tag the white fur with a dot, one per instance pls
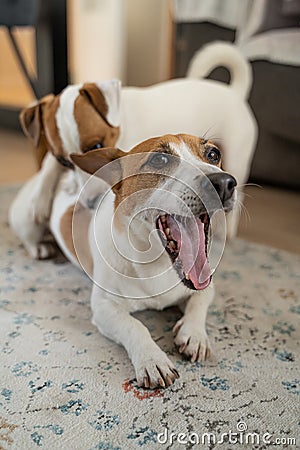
(111, 90)
(218, 54)
(30, 211)
(65, 120)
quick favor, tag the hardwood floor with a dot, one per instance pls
(17, 157)
(272, 218)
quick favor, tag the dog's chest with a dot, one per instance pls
(126, 277)
(142, 297)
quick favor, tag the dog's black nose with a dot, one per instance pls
(224, 184)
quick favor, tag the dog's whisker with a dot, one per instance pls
(215, 138)
(207, 131)
(249, 184)
(248, 195)
(243, 210)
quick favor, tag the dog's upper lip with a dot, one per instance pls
(185, 240)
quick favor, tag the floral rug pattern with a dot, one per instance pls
(64, 386)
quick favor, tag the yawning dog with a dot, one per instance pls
(149, 241)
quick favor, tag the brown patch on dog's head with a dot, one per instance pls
(96, 98)
(201, 149)
(150, 177)
(90, 111)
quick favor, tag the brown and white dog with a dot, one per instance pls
(88, 116)
(149, 241)
(79, 119)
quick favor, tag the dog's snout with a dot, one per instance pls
(224, 184)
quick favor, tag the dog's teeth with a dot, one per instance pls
(187, 277)
(172, 244)
(163, 219)
(167, 231)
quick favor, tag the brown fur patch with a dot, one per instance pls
(31, 119)
(198, 146)
(96, 98)
(152, 180)
(41, 151)
(39, 128)
(82, 252)
(92, 127)
(138, 178)
(66, 229)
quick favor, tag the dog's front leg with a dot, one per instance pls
(152, 366)
(30, 211)
(190, 333)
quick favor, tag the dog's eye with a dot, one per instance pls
(213, 155)
(93, 147)
(158, 160)
(98, 145)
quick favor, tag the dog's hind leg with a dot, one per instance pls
(190, 333)
(24, 226)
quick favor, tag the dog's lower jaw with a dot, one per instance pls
(185, 240)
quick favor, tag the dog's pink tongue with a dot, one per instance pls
(190, 239)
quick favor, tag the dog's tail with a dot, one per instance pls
(224, 54)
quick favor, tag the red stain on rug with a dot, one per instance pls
(140, 393)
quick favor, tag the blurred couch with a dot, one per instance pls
(268, 34)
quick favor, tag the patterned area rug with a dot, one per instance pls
(64, 386)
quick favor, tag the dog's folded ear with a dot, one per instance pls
(31, 119)
(102, 94)
(103, 163)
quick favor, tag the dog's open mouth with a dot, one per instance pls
(186, 239)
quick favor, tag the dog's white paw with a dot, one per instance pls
(191, 340)
(154, 369)
(43, 250)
